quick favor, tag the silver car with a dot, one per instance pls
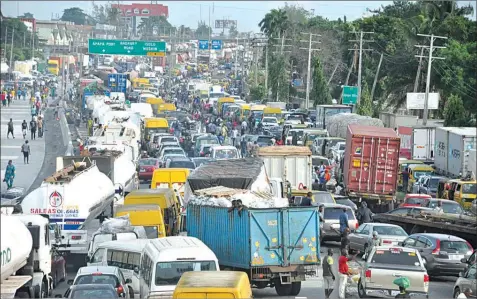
(466, 280)
(390, 235)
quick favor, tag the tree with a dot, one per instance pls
(153, 26)
(233, 32)
(203, 31)
(365, 106)
(274, 23)
(320, 93)
(258, 93)
(27, 15)
(75, 15)
(454, 112)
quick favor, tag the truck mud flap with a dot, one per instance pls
(10, 285)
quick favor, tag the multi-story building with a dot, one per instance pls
(133, 14)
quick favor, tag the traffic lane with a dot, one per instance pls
(18, 111)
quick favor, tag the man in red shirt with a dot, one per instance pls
(344, 272)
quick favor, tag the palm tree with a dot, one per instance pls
(274, 23)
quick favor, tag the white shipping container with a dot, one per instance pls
(452, 146)
(472, 165)
(423, 143)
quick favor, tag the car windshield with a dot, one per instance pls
(97, 278)
(151, 232)
(317, 161)
(294, 117)
(454, 246)
(168, 139)
(334, 213)
(448, 207)
(418, 174)
(226, 154)
(265, 139)
(173, 151)
(270, 120)
(469, 188)
(389, 231)
(346, 202)
(169, 273)
(182, 164)
(434, 182)
(208, 141)
(322, 197)
(396, 256)
(94, 293)
(147, 162)
(415, 200)
(342, 147)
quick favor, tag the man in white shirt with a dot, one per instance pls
(466, 294)
(235, 135)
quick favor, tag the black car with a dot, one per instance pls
(133, 97)
(264, 140)
(202, 160)
(105, 291)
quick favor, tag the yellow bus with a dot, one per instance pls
(221, 102)
(155, 125)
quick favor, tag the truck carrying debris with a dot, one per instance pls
(337, 125)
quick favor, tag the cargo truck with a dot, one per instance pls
(275, 247)
(289, 163)
(25, 257)
(370, 166)
(72, 197)
(472, 161)
(423, 143)
(452, 150)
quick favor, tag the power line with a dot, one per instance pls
(472, 96)
(453, 72)
(465, 85)
(310, 50)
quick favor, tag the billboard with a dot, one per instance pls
(415, 100)
(222, 24)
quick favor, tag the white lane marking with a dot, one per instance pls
(10, 146)
(8, 157)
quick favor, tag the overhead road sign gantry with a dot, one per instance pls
(126, 47)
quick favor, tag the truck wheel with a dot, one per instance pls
(261, 284)
(283, 289)
(296, 288)
(456, 293)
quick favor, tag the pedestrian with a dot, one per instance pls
(10, 129)
(26, 152)
(33, 128)
(364, 214)
(467, 293)
(345, 239)
(343, 221)
(235, 135)
(9, 174)
(33, 110)
(9, 99)
(344, 272)
(40, 126)
(375, 242)
(438, 208)
(306, 201)
(405, 179)
(315, 185)
(24, 128)
(328, 275)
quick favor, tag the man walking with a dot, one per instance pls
(10, 128)
(33, 128)
(328, 275)
(405, 179)
(364, 214)
(40, 126)
(235, 135)
(344, 272)
(26, 152)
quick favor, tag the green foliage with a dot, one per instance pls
(155, 26)
(258, 93)
(75, 15)
(27, 15)
(320, 93)
(365, 107)
(454, 112)
(203, 31)
(233, 32)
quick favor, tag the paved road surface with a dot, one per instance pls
(10, 148)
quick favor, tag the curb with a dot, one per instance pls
(65, 130)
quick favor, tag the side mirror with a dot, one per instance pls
(425, 185)
(70, 282)
(87, 259)
(463, 260)
(136, 270)
(128, 280)
(401, 244)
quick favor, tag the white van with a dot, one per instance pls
(224, 152)
(164, 260)
(125, 255)
(137, 232)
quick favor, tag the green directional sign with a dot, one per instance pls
(126, 47)
(350, 95)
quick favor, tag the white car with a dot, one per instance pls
(269, 121)
(27, 80)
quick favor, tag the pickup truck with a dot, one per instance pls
(385, 264)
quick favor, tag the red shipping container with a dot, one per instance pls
(406, 135)
(371, 161)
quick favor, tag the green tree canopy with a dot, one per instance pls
(320, 93)
(75, 15)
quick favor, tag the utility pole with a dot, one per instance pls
(210, 43)
(308, 75)
(418, 73)
(282, 51)
(5, 47)
(11, 50)
(376, 76)
(24, 35)
(333, 73)
(360, 65)
(236, 58)
(32, 44)
(266, 69)
(431, 48)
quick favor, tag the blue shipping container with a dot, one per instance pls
(258, 237)
(117, 82)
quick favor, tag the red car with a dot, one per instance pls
(147, 167)
(416, 200)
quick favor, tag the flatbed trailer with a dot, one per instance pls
(459, 225)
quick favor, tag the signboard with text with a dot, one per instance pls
(350, 95)
(415, 100)
(223, 24)
(126, 47)
(203, 44)
(216, 44)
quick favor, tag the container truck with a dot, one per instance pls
(472, 161)
(370, 166)
(25, 256)
(289, 163)
(423, 143)
(275, 247)
(72, 197)
(452, 150)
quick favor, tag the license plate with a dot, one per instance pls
(456, 257)
(142, 170)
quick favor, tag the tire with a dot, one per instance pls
(361, 290)
(22, 295)
(283, 289)
(296, 288)
(456, 293)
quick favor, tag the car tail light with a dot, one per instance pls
(202, 153)
(96, 273)
(75, 237)
(437, 250)
(356, 225)
(426, 278)
(387, 242)
(368, 275)
(120, 290)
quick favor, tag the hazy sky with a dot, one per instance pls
(247, 13)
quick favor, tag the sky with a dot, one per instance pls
(247, 13)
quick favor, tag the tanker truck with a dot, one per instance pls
(73, 198)
(25, 256)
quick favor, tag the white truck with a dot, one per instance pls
(289, 163)
(73, 197)
(281, 105)
(472, 162)
(25, 256)
(423, 143)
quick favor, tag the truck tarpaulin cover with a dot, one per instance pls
(236, 173)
